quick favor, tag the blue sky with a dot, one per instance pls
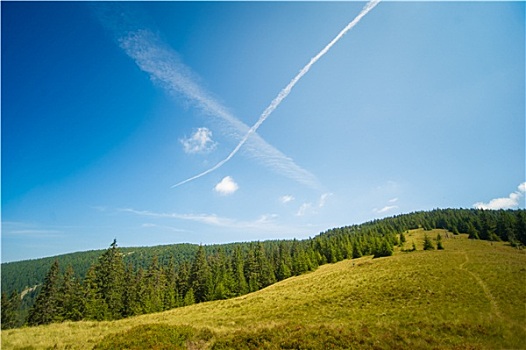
(107, 106)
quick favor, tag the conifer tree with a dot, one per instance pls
(266, 272)
(183, 279)
(428, 244)
(472, 232)
(10, 306)
(45, 310)
(70, 300)
(200, 276)
(189, 298)
(238, 271)
(110, 275)
(171, 295)
(357, 249)
(94, 306)
(440, 245)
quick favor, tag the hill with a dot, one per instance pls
(468, 296)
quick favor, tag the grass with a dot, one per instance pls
(469, 296)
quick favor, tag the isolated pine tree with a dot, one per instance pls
(440, 246)
(428, 243)
(402, 238)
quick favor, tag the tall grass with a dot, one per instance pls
(470, 295)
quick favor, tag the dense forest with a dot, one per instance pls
(122, 282)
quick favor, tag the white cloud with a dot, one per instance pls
(286, 199)
(323, 199)
(311, 208)
(200, 142)
(385, 209)
(393, 200)
(510, 202)
(304, 209)
(227, 186)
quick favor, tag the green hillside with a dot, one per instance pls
(470, 295)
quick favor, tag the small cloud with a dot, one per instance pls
(522, 187)
(227, 186)
(286, 199)
(385, 209)
(304, 209)
(200, 142)
(323, 199)
(393, 200)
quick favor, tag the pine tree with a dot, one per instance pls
(71, 304)
(357, 250)
(472, 232)
(402, 238)
(45, 310)
(94, 306)
(428, 244)
(189, 298)
(440, 246)
(385, 249)
(10, 306)
(238, 271)
(266, 272)
(171, 295)
(110, 281)
(200, 276)
(183, 279)
(153, 300)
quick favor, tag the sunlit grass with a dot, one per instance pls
(470, 295)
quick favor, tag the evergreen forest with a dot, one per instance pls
(122, 282)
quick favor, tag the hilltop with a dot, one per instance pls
(470, 295)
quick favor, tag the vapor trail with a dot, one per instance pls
(286, 91)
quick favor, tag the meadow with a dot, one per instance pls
(469, 296)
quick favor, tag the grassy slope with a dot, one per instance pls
(471, 295)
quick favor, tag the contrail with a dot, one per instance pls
(286, 91)
(166, 69)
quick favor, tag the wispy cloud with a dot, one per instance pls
(304, 209)
(199, 142)
(323, 199)
(226, 186)
(385, 209)
(167, 70)
(286, 199)
(286, 91)
(162, 227)
(510, 202)
(310, 208)
(31, 230)
(266, 222)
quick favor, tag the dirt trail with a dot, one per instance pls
(495, 309)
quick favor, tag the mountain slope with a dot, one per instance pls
(470, 295)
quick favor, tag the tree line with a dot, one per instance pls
(113, 288)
